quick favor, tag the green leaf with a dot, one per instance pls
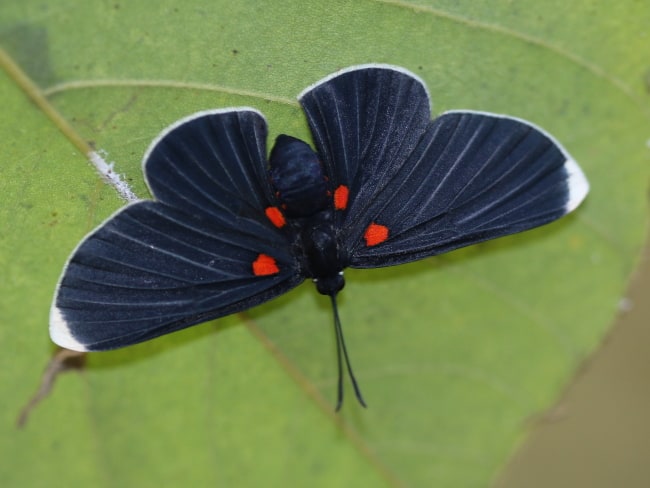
(453, 353)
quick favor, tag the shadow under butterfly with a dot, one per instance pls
(230, 229)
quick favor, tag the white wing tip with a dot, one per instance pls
(576, 179)
(578, 185)
(60, 332)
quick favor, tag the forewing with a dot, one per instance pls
(365, 122)
(159, 266)
(472, 177)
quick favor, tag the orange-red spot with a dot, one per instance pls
(265, 265)
(375, 234)
(275, 216)
(341, 195)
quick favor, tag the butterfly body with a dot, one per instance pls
(304, 197)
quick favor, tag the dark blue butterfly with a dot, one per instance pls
(230, 229)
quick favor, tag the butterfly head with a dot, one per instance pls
(331, 284)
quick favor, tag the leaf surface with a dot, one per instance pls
(454, 353)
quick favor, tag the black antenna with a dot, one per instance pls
(340, 346)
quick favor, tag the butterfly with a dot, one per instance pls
(230, 228)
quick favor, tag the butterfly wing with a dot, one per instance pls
(460, 179)
(159, 266)
(365, 122)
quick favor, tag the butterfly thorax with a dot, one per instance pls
(297, 177)
(302, 190)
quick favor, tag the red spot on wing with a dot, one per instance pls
(275, 216)
(265, 265)
(375, 234)
(341, 195)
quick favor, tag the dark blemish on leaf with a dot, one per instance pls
(62, 361)
(54, 220)
(235, 52)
